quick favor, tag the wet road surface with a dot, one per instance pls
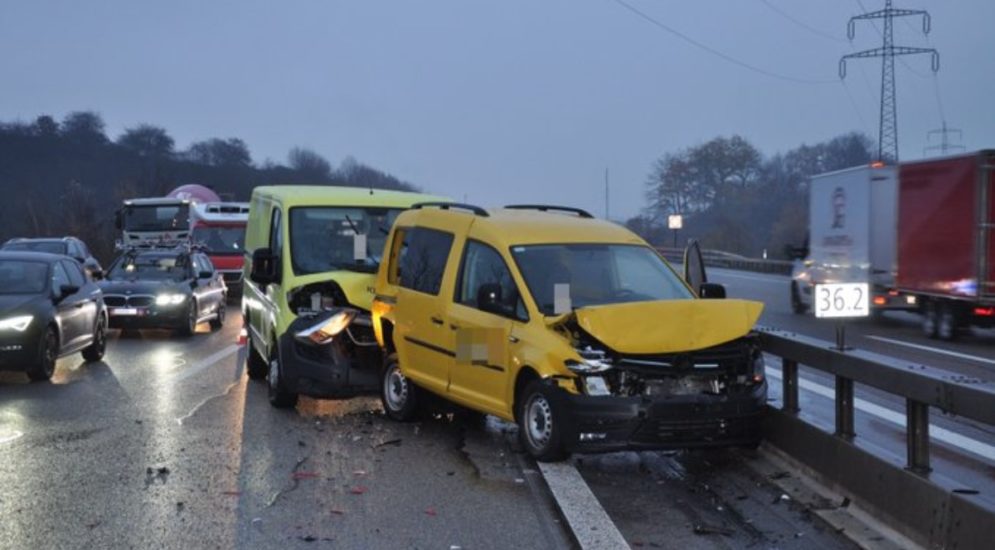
(166, 444)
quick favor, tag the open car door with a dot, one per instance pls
(694, 266)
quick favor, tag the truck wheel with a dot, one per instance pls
(797, 306)
(48, 352)
(948, 323)
(930, 319)
(398, 394)
(279, 396)
(540, 423)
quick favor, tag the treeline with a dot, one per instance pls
(734, 199)
(68, 177)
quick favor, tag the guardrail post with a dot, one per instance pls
(917, 436)
(844, 408)
(789, 386)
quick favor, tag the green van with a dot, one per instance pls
(312, 254)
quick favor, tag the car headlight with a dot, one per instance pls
(19, 323)
(326, 326)
(592, 361)
(169, 299)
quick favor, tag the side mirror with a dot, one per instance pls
(713, 291)
(205, 274)
(489, 299)
(66, 291)
(264, 269)
(97, 274)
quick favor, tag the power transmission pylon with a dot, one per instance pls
(945, 146)
(888, 126)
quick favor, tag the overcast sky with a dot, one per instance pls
(498, 101)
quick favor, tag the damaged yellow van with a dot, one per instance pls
(572, 327)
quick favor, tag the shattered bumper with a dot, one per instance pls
(598, 424)
(333, 370)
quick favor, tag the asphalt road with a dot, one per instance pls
(167, 444)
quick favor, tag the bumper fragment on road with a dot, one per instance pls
(588, 521)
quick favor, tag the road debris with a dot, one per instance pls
(358, 490)
(388, 442)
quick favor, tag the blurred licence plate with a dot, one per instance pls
(124, 311)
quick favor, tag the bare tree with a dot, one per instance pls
(84, 127)
(147, 140)
(310, 164)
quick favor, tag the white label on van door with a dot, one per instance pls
(842, 300)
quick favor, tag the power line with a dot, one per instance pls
(800, 23)
(713, 51)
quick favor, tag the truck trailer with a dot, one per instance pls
(852, 236)
(946, 241)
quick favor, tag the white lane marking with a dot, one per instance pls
(588, 520)
(932, 349)
(951, 438)
(762, 278)
(13, 436)
(206, 362)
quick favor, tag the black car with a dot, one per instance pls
(48, 309)
(66, 246)
(173, 288)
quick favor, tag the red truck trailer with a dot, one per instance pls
(946, 241)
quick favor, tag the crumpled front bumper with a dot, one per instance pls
(609, 423)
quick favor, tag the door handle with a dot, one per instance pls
(513, 339)
(437, 321)
(454, 327)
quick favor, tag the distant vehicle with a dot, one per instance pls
(572, 327)
(852, 232)
(314, 251)
(66, 246)
(946, 241)
(48, 309)
(922, 234)
(160, 220)
(173, 288)
(220, 228)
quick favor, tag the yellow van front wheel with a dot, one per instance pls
(540, 423)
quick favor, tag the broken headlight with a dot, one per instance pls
(592, 361)
(325, 326)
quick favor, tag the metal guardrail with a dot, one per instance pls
(936, 516)
(717, 258)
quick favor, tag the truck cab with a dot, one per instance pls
(219, 229)
(153, 220)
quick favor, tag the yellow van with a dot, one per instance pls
(312, 253)
(572, 327)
